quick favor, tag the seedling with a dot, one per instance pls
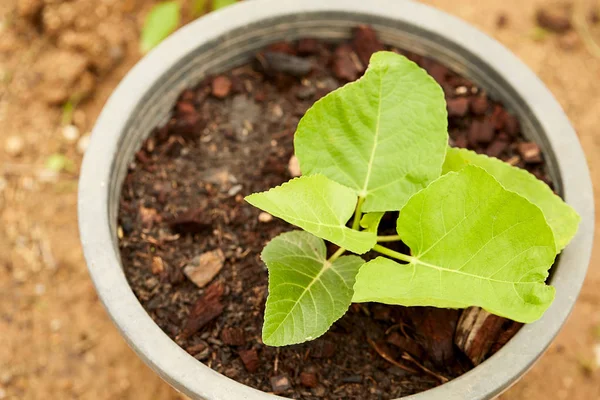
(481, 232)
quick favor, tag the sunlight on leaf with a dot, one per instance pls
(561, 217)
(384, 136)
(161, 21)
(307, 294)
(319, 206)
(474, 243)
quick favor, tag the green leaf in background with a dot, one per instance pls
(384, 136)
(473, 243)
(319, 206)
(307, 294)
(370, 222)
(561, 217)
(161, 21)
(59, 162)
(217, 4)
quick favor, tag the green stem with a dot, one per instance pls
(390, 238)
(336, 255)
(391, 253)
(358, 214)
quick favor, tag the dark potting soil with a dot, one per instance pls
(232, 135)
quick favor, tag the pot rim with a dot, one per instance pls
(195, 379)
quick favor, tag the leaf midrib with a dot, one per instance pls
(326, 266)
(364, 191)
(456, 271)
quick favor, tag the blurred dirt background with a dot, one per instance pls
(59, 62)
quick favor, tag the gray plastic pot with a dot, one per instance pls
(229, 37)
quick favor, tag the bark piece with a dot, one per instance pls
(458, 107)
(434, 328)
(476, 332)
(479, 105)
(207, 308)
(530, 152)
(203, 268)
(505, 336)
(365, 43)
(323, 349)
(233, 336)
(344, 67)
(195, 220)
(309, 379)
(480, 132)
(308, 46)
(496, 148)
(250, 360)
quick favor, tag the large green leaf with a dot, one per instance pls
(473, 243)
(160, 22)
(561, 217)
(384, 136)
(319, 206)
(307, 294)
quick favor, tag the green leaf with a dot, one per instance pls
(307, 294)
(370, 221)
(384, 136)
(319, 206)
(474, 243)
(561, 217)
(160, 22)
(217, 4)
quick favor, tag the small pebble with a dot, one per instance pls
(294, 167)
(14, 146)
(235, 190)
(83, 143)
(265, 217)
(280, 384)
(70, 133)
(55, 325)
(221, 87)
(39, 289)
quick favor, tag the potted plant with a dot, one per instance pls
(228, 38)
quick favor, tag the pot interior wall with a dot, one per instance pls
(238, 47)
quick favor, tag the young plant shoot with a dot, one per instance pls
(481, 232)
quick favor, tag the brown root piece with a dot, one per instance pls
(386, 356)
(476, 332)
(207, 308)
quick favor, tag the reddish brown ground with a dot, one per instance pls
(56, 339)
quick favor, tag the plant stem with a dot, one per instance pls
(358, 214)
(390, 238)
(336, 255)
(391, 253)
